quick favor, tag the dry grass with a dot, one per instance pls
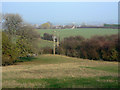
(73, 67)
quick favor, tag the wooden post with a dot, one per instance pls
(57, 38)
(54, 43)
(54, 46)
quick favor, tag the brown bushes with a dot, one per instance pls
(96, 48)
(46, 50)
(47, 36)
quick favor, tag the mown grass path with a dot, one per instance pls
(49, 71)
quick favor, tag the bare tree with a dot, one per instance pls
(12, 22)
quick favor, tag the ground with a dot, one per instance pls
(49, 71)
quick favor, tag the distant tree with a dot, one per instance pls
(45, 26)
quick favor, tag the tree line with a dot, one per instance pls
(96, 48)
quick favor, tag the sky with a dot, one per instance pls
(94, 13)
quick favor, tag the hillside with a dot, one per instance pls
(48, 71)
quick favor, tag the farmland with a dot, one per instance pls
(48, 71)
(85, 32)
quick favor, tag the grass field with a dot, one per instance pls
(48, 71)
(45, 43)
(85, 32)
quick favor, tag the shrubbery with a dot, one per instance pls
(46, 50)
(9, 50)
(47, 36)
(96, 48)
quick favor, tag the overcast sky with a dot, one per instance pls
(64, 12)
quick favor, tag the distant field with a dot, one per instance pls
(85, 32)
(44, 43)
(48, 71)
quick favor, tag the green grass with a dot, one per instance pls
(25, 59)
(105, 68)
(74, 82)
(53, 59)
(45, 43)
(85, 32)
(47, 59)
(49, 71)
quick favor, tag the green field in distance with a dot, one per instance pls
(85, 32)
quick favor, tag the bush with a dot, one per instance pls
(9, 51)
(46, 50)
(47, 36)
(69, 46)
(96, 48)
